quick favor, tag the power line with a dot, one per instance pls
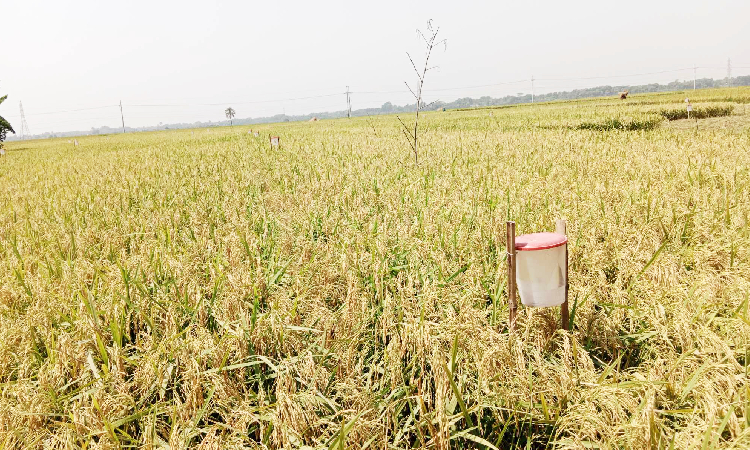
(477, 86)
(547, 79)
(88, 119)
(615, 76)
(349, 92)
(695, 75)
(239, 103)
(67, 111)
(380, 92)
(538, 79)
(72, 110)
(444, 89)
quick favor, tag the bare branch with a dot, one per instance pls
(412, 92)
(432, 103)
(434, 36)
(409, 139)
(430, 43)
(413, 65)
(406, 132)
(405, 127)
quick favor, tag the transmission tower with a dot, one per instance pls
(25, 133)
(729, 72)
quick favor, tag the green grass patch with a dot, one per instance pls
(615, 123)
(702, 112)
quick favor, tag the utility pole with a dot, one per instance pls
(122, 117)
(25, 133)
(532, 89)
(695, 75)
(348, 104)
(729, 72)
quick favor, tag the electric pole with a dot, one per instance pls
(695, 75)
(348, 104)
(25, 133)
(532, 89)
(729, 72)
(122, 117)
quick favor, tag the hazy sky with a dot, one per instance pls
(198, 57)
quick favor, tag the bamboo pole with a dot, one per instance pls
(511, 249)
(561, 228)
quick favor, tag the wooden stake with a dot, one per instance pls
(511, 249)
(561, 228)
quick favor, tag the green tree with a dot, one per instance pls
(229, 112)
(4, 125)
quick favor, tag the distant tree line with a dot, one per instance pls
(466, 102)
(4, 125)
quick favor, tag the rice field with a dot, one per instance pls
(199, 288)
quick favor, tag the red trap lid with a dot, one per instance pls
(539, 241)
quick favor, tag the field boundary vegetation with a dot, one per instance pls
(593, 94)
(614, 124)
(700, 112)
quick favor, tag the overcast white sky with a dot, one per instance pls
(190, 54)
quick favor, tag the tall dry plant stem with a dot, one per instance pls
(412, 133)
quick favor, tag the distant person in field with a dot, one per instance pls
(624, 95)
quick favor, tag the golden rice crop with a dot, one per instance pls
(200, 288)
